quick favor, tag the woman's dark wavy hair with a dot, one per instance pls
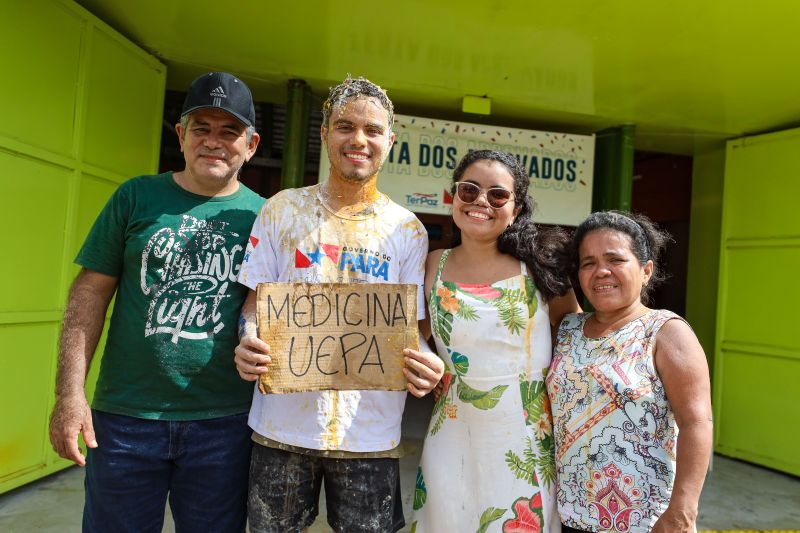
(540, 248)
(646, 239)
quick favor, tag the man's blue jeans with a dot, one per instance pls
(201, 465)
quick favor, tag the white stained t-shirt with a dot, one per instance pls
(297, 238)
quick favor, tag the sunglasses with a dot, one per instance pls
(469, 193)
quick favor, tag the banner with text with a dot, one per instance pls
(342, 336)
(418, 173)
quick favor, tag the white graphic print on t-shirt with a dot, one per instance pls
(186, 275)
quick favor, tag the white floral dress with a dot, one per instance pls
(488, 459)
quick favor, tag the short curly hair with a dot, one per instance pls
(350, 89)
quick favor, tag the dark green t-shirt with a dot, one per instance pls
(169, 353)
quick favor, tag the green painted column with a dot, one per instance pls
(613, 168)
(298, 110)
(705, 234)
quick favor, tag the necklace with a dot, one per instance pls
(359, 210)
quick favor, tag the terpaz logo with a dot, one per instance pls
(422, 199)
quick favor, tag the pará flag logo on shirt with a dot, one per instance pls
(368, 262)
(305, 260)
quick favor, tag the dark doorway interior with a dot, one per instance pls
(440, 230)
(662, 190)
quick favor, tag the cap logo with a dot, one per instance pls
(218, 94)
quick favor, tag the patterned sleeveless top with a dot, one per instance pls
(614, 427)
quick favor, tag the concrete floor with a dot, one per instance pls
(737, 496)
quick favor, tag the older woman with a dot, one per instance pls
(487, 464)
(624, 379)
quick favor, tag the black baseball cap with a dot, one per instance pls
(222, 91)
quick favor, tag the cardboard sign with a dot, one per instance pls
(342, 336)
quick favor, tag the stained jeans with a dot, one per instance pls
(201, 465)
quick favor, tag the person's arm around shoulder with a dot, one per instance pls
(683, 369)
(89, 296)
(252, 354)
(559, 307)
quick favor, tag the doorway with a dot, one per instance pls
(662, 190)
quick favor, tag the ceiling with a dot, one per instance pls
(687, 73)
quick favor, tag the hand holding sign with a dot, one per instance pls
(335, 336)
(251, 357)
(423, 371)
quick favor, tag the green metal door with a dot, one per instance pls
(82, 111)
(757, 363)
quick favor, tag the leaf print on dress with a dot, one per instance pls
(528, 516)
(489, 515)
(524, 468)
(441, 318)
(445, 407)
(420, 492)
(443, 402)
(508, 310)
(536, 405)
(479, 398)
(445, 304)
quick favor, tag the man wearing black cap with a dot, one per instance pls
(169, 414)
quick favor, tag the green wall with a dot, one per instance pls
(757, 358)
(708, 174)
(82, 112)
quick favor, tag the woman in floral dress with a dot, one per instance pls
(488, 459)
